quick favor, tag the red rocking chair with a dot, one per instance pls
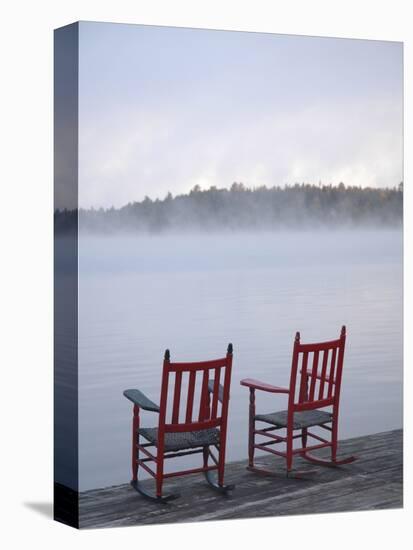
(314, 385)
(196, 432)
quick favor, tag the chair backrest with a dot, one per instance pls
(195, 396)
(316, 373)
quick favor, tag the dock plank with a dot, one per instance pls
(373, 482)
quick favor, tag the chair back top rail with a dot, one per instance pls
(319, 346)
(199, 365)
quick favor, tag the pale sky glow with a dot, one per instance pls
(163, 109)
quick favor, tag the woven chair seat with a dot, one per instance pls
(302, 419)
(177, 441)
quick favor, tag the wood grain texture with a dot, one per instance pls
(374, 481)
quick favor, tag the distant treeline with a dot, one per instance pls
(297, 206)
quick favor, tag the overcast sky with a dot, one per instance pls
(163, 109)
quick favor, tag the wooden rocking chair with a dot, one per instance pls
(312, 388)
(195, 433)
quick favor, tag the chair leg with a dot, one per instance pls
(218, 486)
(304, 437)
(251, 429)
(159, 473)
(135, 457)
(298, 474)
(158, 497)
(135, 441)
(334, 437)
(289, 451)
(334, 442)
(221, 464)
(205, 454)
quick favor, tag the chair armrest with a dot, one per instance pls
(139, 399)
(257, 385)
(318, 376)
(220, 390)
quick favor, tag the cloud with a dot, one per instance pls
(165, 109)
(153, 153)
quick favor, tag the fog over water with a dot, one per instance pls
(193, 294)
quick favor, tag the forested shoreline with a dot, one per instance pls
(298, 206)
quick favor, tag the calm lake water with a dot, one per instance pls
(194, 294)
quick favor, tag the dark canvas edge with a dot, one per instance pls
(66, 462)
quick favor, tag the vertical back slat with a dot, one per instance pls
(177, 397)
(331, 373)
(303, 385)
(216, 393)
(204, 397)
(323, 374)
(163, 405)
(190, 399)
(313, 376)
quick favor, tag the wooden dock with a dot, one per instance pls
(374, 481)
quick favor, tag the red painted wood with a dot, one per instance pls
(311, 405)
(190, 397)
(203, 404)
(319, 347)
(270, 435)
(177, 397)
(193, 426)
(214, 409)
(256, 384)
(313, 376)
(331, 374)
(146, 467)
(192, 471)
(251, 432)
(214, 458)
(323, 377)
(311, 448)
(224, 417)
(320, 377)
(135, 442)
(339, 373)
(316, 436)
(303, 396)
(304, 378)
(187, 367)
(207, 417)
(147, 453)
(272, 451)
